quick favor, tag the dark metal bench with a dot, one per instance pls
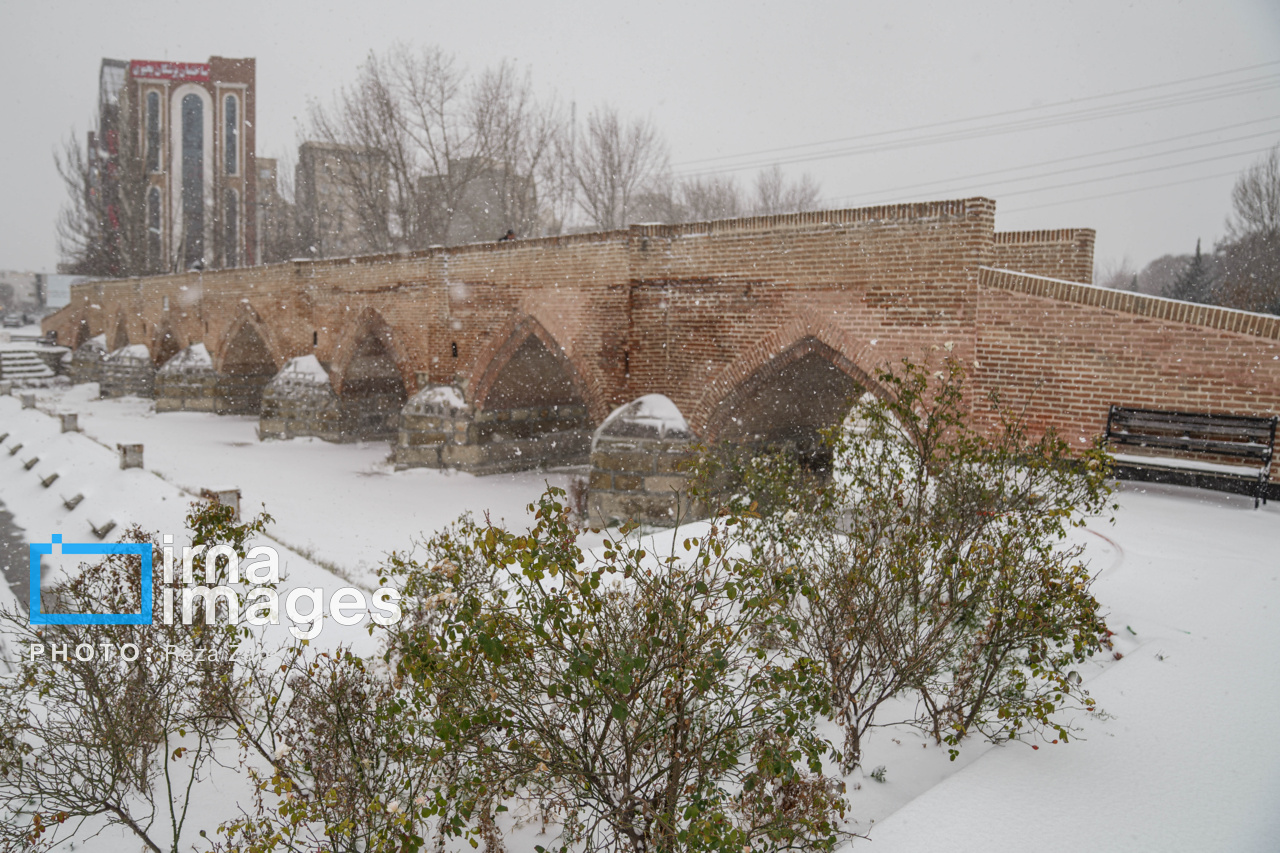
(1198, 449)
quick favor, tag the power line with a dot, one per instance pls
(946, 185)
(1126, 175)
(1057, 160)
(1136, 172)
(1091, 114)
(1131, 174)
(1120, 192)
(983, 116)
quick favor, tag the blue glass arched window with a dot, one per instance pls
(231, 136)
(153, 131)
(230, 229)
(192, 180)
(153, 230)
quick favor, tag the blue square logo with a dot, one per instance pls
(39, 617)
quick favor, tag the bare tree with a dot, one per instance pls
(773, 193)
(80, 225)
(612, 163)
(516, 142)
(1250, 256)
(101, 228)
(422, 154)
(113, 725)
(280, 235)
(1250, 273)
(370, 158)
(1116, 275)
(1255, 199)
(701, 198)
(706, 198)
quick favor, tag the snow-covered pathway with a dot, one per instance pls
(1186, 757)
(342, 504)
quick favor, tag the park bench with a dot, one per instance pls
(1224, 452)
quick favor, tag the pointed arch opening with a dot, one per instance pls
(121, 338)
(372, 388)
(166, 345)
(83, 333)
(533, 376)
(247, 367)
(531, 394)
(524, 408)
(786, 403)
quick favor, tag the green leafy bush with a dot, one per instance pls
(625, 696)
(932, 560)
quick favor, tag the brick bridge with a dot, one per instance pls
(507, 355)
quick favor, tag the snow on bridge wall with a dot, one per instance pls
(700, 312)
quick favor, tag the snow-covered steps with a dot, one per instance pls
(20, 366)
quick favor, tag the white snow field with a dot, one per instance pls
(1185, 755)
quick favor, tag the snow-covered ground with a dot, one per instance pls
(1186, 758)
(20, 338)
(1182, 759)
(344, 504)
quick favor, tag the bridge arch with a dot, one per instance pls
(807, 332)
(164, 344)
(788, 399)
(528, 404)
(370, 377)
(246, 362)
(120, 336)
(527, 368)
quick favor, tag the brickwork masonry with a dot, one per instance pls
(695, 312)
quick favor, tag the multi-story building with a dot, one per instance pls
(174, 160)
(479, 200)
(336, 189)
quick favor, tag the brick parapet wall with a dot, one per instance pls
(1063, 353)
(430, 301)
(693, 311)
(915, 212)
(1065, 253)
(1156, 307)
(710, 303)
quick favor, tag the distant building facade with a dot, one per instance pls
(335, 188)
(279, 238)
(20, 291)
(344, 204)
(174, 157)
(489, 201)
(34, 292)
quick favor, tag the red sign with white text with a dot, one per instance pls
(146, 69)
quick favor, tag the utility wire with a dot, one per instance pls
(1091, 114)
(946, 186)
(1136, 172)
(983, 116)
(1055, 161)
(1120, 192)
(1127, 175)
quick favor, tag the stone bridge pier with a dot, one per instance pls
(622, 350)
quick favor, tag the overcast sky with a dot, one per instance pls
(834, 89)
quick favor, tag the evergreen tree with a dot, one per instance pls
(1195, 284)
